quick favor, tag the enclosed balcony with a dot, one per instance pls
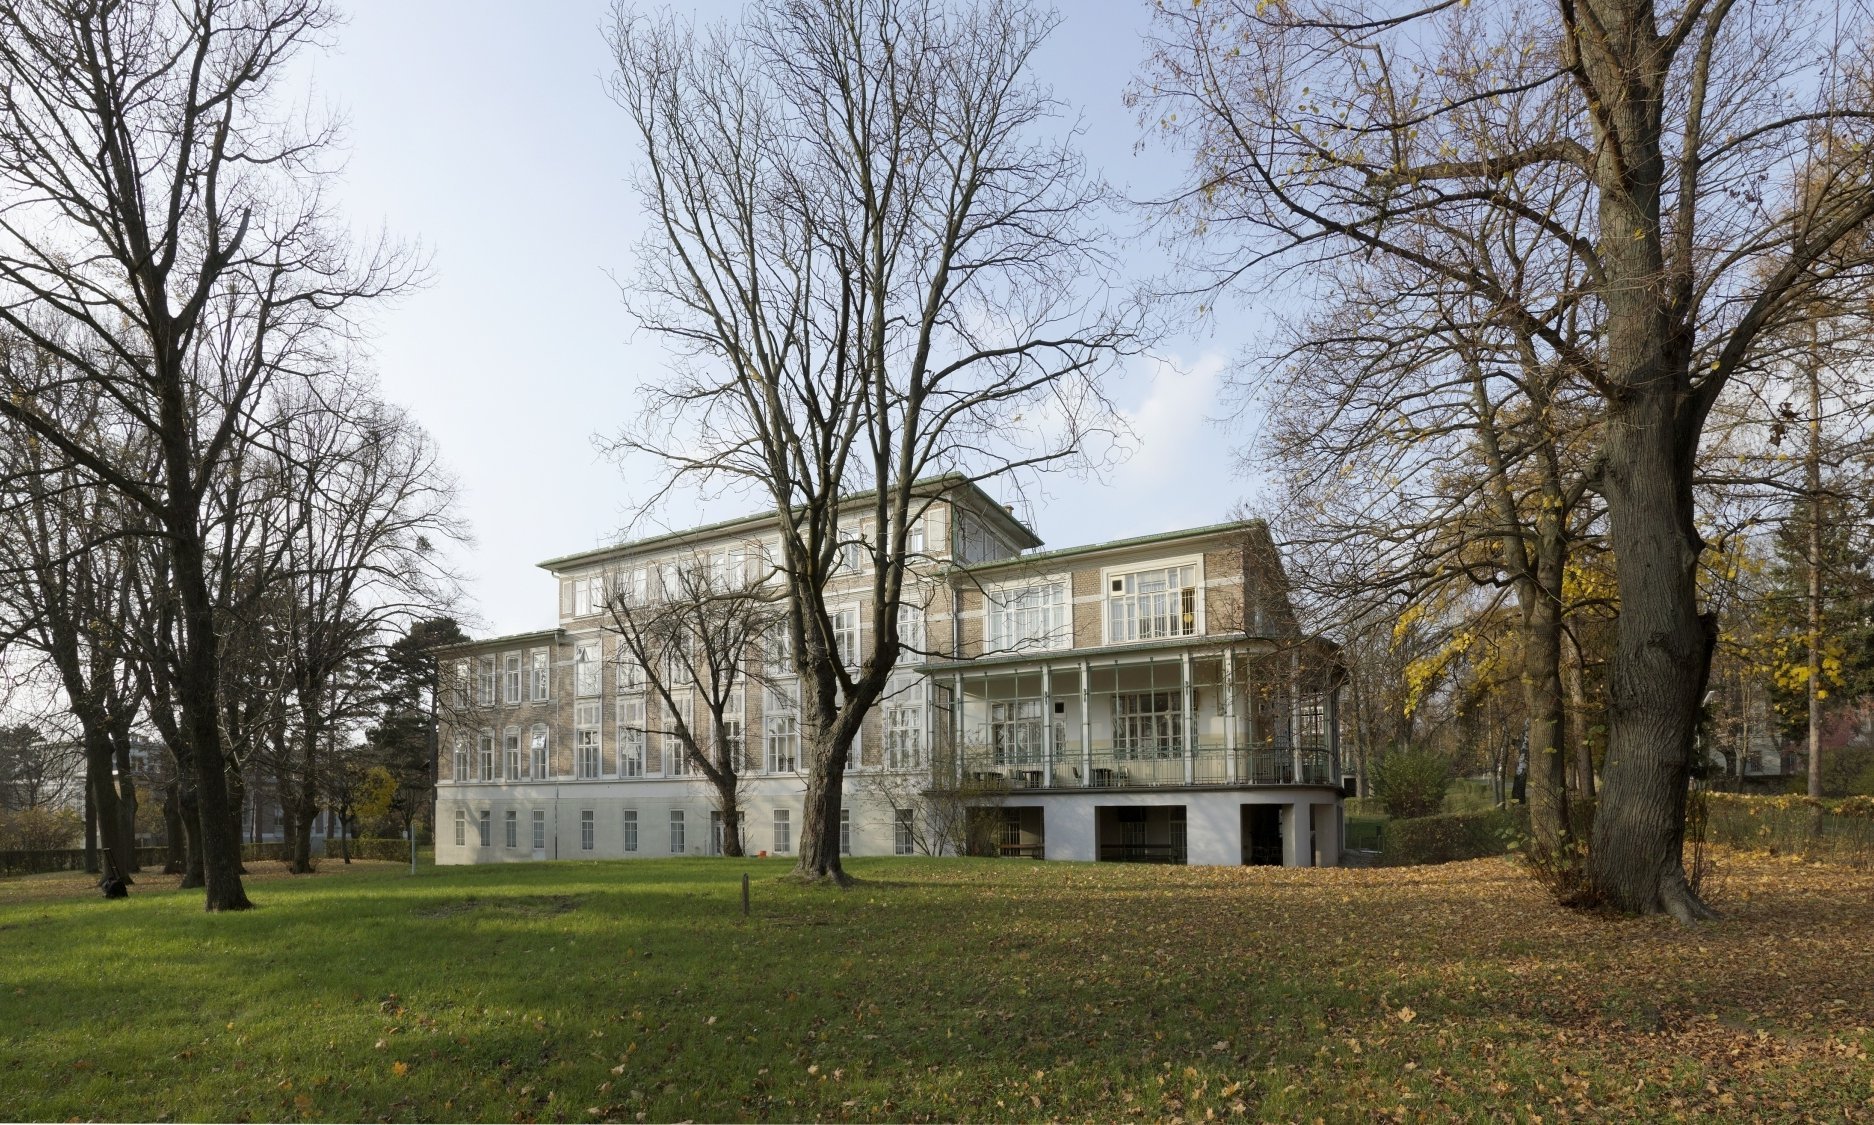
(1139, 720)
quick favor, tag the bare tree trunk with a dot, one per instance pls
(826, 782)
(1583, 772)
(126, 809)
(1812, 484)
(1548, 784)
(194, 873)
(91, 827)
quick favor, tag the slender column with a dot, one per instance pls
(1295, 851)
(1294, 715)
(1332, 732)
(956, 724)
(1047, 726)
(1229, 714)
(1190, 721)
(1086, 725)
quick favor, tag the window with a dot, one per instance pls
(845, 624)
(461, 828)
(780, 723)
(1147, 604)
(631, 830)
(511, 754)
(1029, 617)
(511, 677)
(540, 664)
(902, 840)
(1148, 724)
(540, 830)
(459, 688)
(1015, 731)
(735, 742)
(537, 747)
(461, 770)
(512, 824)
(484, 825)
(630, 672)
(676, 754)
(585, 830)
(777, 652)
(588, 752)
(485, 760)
(586, 668)
(1312, 720)
(783, 832)
(911, 626)
(914, 537)
(845, 832)
(485, 681)
(588, 595)
(631, 736)
(676, 831)
(904, 721)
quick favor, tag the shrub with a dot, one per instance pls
(1448, 837)
(40, 829)
(1411, 783)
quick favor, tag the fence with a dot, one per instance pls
(153, 858)
(1825, 831)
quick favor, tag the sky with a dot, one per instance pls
(482, 131)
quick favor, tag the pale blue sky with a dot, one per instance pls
(482, 130)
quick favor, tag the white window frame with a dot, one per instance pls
(485, 681)
(905, 703)
(848, 634)
(511, 826)
(1032, 615)
(589, 595)
(588, 739)
(677, 832)
(459, 690)
(539, 749)
(1148, 725)
(1015, 734)
(1143, 621)
(540, 675)
(677, 759)
(588, 656)
(845, 831)
(588, 829)
(461, 828)
(780, 727)
(460, 772)
(485, 757)
(903, 833)
(485, 823)
(513, 764)
(631, 736)
(783, 832)
(511, 677)
(631, 830)
(540, 830)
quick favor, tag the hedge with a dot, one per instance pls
(1447, 837)
(1828, 831)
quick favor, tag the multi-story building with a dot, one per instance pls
(1149, 699)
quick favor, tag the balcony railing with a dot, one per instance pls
(1069, 768)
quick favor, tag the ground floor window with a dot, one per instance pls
(631, 830)
(676, 831)
(485, 826)
(902, 841)
(845, 832)
(461, 828)
(540, 830)
(585, 830)
(783, 832)
(512, 824)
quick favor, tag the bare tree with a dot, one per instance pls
(1721, 147)
(882, 271)
(166, 238)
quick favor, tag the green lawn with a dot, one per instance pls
(935, 989)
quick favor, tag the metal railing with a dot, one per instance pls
(1106, 768)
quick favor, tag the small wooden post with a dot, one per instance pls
(744, 894)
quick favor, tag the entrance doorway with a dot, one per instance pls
(1262, 835)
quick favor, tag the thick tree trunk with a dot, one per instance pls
(826, 785)
(126, 808)
(1547, 789)
(194, 870)
(175, 837)
(1660, 662)
(731, 826)
(91, 827)
(101, 800)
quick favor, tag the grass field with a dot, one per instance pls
(934, 990)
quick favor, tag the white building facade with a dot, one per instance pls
(1148, 700)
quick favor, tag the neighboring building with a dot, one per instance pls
(1147, 700)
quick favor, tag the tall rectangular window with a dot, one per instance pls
(459, 686)
(461, 770)
(540, 830)
(588, 595)
(1024, 618)
(485, 681)
(631, 736)
(485, 759)
(511, 764)
(780, 724)
(1015, 731)
(732, 726)
(461, 828)
(587, 750)
(676, 831)
(1145, 605)
(511, 677)
(631, 830)
(484, 825)
(903, 841)
(783, 832)
(914, 537)
(512, 825)
(846, 634)
(586, 668)
(676, 754)
(904, 721)
(630, 672)
(845, 832)
(585, 829)
(1148, 724)
(537, 749)
(539, 674)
